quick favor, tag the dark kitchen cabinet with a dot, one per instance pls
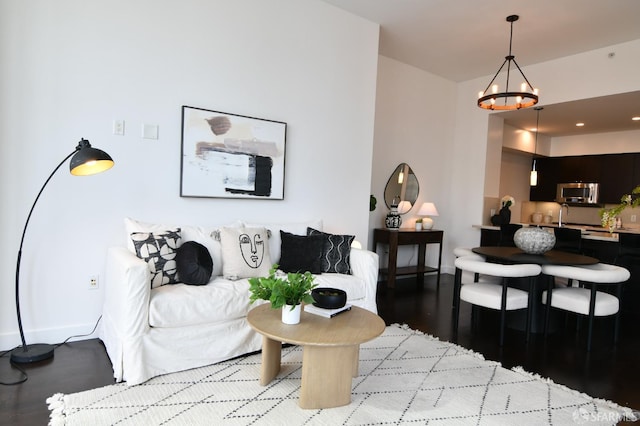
(545, 190)
(636, 170)
(584, 168)
(617, 176)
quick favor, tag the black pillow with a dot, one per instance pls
(194, 263)
(336, 251)
(300, 253)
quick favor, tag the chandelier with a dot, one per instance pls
(506, 100)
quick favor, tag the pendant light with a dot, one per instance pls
(533, 178)
(506, 100)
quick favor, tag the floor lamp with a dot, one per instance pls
(86, 161)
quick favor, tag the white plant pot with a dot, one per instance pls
(291, 316)
(419, 226)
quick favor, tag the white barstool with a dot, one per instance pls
(469, 276)
(490, 295)
(464, 251)
(583, 301)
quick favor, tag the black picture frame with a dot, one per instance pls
(227, 155)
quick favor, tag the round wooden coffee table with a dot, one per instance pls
(330, 350)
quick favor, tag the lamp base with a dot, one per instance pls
(427, 223)
(32, 353)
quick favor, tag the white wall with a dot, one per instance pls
(414, 125)
(525, 141)
(597, 143)
(514, 180)
(70, 67)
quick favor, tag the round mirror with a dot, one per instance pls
(402, 189)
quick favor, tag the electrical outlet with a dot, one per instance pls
(94, 282)
(633, 218)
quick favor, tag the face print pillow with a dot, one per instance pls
(245, 253)
(252, 248)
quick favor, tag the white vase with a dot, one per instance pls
(290, 316)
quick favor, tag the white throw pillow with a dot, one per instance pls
(245, 252)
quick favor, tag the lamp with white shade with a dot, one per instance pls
(426, 211)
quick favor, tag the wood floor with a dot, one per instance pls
(607, 372)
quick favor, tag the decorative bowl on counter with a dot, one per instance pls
(534, 240)
(536, 217)
(329, 298)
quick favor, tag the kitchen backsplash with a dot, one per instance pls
(582, 215)
(522, 211)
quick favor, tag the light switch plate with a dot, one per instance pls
(150, 131)
(118, 127)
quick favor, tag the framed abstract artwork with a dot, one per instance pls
(231, 156)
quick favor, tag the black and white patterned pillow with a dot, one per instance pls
(159, 251)
(336, 251)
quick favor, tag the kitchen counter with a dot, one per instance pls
(589, 232)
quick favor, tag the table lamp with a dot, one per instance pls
(86, 161)
(427, 210)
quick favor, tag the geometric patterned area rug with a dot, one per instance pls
(405, 378)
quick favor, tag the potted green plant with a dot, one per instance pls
(286, 291)
(608, 216)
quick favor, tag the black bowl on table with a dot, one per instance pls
(329, 298)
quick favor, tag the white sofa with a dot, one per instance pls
(149, 332)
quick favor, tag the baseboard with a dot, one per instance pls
(49, 335)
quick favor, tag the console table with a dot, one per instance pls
(401, 237)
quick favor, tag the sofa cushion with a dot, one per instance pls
(194, 263)
(159, 251)
(222, 300)
(245, 252)
(336, 251)
(300, 253)
(182, 305)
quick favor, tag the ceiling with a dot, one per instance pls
(465, 39)
(600, 115)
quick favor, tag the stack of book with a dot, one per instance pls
(327, 313)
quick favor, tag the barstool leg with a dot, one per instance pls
(457, 283)
(617, 324)
(550, 280)
(530, 303)
(503, 310)
(592, 309)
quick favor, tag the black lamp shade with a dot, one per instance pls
(88, 160)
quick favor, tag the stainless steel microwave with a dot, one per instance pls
(577, 193)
